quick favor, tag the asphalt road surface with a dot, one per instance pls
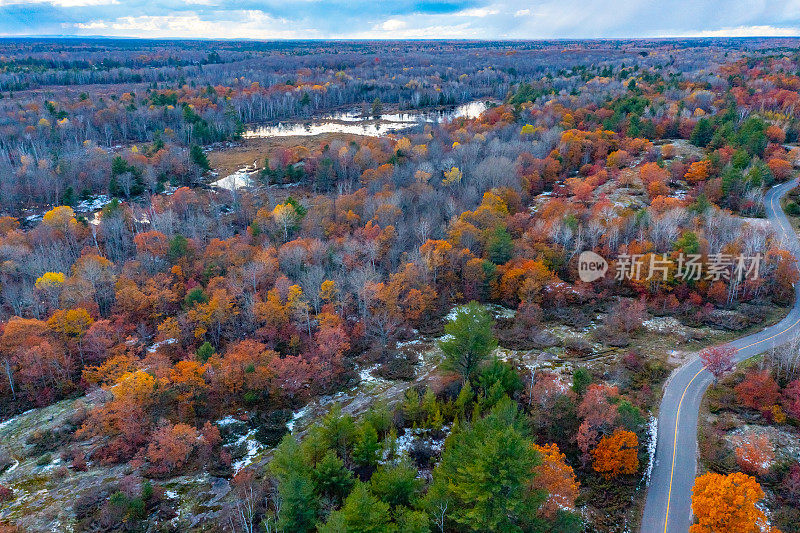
(668, 508)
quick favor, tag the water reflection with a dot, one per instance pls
(355, 123)
(352, 122)
(241, 178)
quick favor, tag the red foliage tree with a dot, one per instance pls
(718, 359)
(791, 398)
(758, 390)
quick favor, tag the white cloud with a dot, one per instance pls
(493, 19)
(242, 24)
(477, 12)
(393, 25)
(433, 31)
(93, 25)
(61, 3)
(742, 31)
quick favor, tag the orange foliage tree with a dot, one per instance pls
(557, 478)
(725, 503)
(698, 171)
(171, 448)
(617, 454)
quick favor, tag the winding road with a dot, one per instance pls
(668, 505)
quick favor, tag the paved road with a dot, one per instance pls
(668, 506)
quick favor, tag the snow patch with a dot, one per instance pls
(404, 442)
(297, 415)
(652, 432)
(166, 342)
(3, 425)
(253, 447)
(365, 375)
(662, 324)
(226, 421)
(94, 203)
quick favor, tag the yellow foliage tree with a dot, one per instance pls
(212, 316)
(328, 291)
(452, 176)
(298, 306)
(70, 322)
(617, 159)
(61, 217)
(50, 280)
(72, 325)
(403, 145)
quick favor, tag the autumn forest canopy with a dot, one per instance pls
(388, 332)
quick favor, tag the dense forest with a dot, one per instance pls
(182, 357)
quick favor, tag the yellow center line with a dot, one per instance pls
(675, 447)
(678, 413)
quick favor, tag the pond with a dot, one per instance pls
(355, 123)
(352, 122)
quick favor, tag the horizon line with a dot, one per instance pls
(399, 39)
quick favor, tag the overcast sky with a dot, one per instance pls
(379, 19)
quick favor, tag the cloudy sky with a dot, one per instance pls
(382, 19)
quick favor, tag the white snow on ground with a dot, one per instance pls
(501, 312)
(12, 467)
(662, 324)
(226, 421)
(365, 375)
(403, 344)
(242, 177)
(406, 440)
(746, 434)
(12, 420)
(764, 509)
(452, 314)
(297, 415)
(497, 311)
(652, 432)
(253, 447)
(166, 342)
(93, 204)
